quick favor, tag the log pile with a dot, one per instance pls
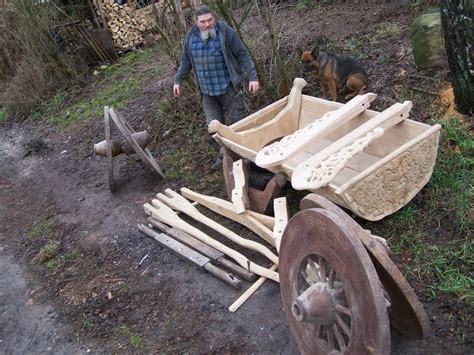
(127, 25)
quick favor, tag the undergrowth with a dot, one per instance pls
(433, 233)
(113, 85)
(189, 150)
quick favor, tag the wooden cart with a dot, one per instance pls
(338, 284)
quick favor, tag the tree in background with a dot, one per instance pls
(458, 30)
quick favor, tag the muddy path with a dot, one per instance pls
(100, 300)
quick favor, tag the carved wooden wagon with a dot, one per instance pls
(338, 283)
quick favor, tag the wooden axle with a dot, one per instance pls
(119, 147)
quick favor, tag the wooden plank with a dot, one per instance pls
(191, 256)
(249, 292)
(215, 255)
(281, 219)
(276, 153)
(179, 203)
(284, 123)
(166, 215)
(388, 158)
(240, 192)
(303, 173)
(226, 209)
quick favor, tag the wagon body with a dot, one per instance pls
(374, 183)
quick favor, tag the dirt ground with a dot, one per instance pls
(96, 296)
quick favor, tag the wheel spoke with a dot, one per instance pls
(332, 277)
(322, 269)
(312, 270)
(343, 309)
(343, 325)
(330, 338)
(307, 278)
(339, 292)
(340, 339)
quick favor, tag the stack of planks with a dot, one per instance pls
(127, 25)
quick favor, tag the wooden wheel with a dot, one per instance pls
(330, 290)
(406, 312)
(108, 150)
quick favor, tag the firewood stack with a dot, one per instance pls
(127, 25)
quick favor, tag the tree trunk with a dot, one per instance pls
(458, 30)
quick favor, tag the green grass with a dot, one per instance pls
(40, 228)
(386, 30)
(115, 85)
(135, 340)
(189, 150)
(47, 252)
(3, 116)
(434, 231)
(452, 181)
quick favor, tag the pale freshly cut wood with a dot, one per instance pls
(267, 221)
(226, 209)
(249, 292)
(179, 203)
(166, 215)
(374, 183)
(240, 192)
(386, 119)
(283, 124)
(281, 219)
(289, 145)
(315, 177)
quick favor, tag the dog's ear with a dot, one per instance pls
(315, 52)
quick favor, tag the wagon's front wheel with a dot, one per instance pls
(331, 293)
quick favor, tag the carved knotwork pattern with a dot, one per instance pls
(389, 188)
(324, 172)
(289, 143)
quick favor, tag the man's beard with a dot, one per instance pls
(206, 34)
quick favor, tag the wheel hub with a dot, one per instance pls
(316, 304)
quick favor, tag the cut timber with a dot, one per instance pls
(226, 209)
(240, 197)
(249, 292)
(283, 124)
(287, 147)
(302, 175)
(281, 219)
(179, 203)
(166, 215)
(324, 172)
(191, 256)
(215, 255)
(127, 131)
(259, 201)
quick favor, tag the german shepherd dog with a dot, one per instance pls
(341, 75)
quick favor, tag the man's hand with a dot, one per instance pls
(254, 86)
(177, 89)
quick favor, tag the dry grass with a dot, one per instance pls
(34, 62)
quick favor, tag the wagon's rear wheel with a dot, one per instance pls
(406, 313)
(330, 290)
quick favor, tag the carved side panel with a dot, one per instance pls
(393, 185)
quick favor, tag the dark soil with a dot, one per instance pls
(95, 295)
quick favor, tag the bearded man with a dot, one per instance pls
(217, 56)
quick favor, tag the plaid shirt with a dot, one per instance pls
(210, 66)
